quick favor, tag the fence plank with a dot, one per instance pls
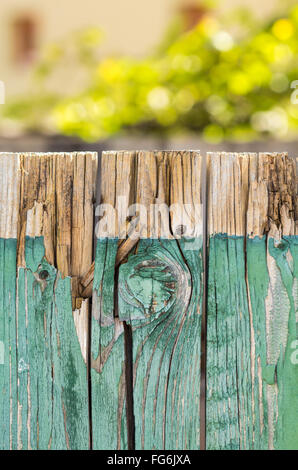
(109, 429)
(252, 372)
(43, 373)
(159, 298)
(147, 301)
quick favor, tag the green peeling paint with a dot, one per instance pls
(160, 295)
(286, 435)
(229, 388)
(252, 347)
(252, 372)
(43, 379)
(107, 355)
(8, 381)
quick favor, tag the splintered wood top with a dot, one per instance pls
(250, 194)
(50, 195)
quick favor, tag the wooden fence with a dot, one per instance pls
(176, 328)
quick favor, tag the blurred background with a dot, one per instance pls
(99, 75)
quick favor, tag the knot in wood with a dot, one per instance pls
(44, 274)
(151, 283)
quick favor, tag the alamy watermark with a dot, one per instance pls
(153, 221)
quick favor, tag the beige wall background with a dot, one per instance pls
(131, 27)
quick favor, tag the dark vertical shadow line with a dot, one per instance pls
(95, 220)
(128, 369)
(129, 386)
(204, 306)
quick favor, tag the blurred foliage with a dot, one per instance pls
(225, 79)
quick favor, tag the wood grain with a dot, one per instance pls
(252, 302)
(147, 280)
(46, 217)
(159, 285)
(108, 376)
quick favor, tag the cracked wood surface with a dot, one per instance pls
(158, 300)
(46, 227)
(252, 371)
(144, 354)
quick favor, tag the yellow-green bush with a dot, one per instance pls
(207, 80)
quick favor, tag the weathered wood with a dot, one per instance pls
(158, 303)
(147, 282)
(46, 225)
(107, 332)
(252, 371)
